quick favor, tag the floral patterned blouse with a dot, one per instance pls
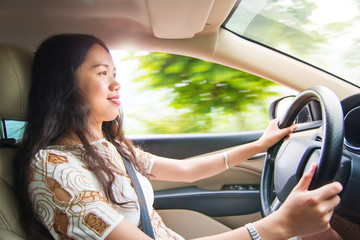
(70, 202)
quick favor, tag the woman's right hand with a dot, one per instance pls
(307, 212)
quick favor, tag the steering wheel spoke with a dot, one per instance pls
(275, 204)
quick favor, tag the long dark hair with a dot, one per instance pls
(56, 107)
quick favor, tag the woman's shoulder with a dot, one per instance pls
(58, 154)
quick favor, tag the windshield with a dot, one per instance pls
(320, 32)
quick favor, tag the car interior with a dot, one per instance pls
(190, 28)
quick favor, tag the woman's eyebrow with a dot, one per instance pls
(100, 65)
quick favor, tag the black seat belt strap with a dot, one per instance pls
(144, 213)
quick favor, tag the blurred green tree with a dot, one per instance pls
(208, 97)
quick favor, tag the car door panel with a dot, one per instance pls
(211, 203)
(180, 146)
(209, 196)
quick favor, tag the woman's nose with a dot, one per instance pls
(115, 86)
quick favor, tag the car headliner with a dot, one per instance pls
(32, 21)
(186, 27)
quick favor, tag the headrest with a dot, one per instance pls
(15, 75)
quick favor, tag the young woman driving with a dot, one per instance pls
(70, 174)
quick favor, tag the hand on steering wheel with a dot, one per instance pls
(305, 212)
(309, 211)
(286, 161)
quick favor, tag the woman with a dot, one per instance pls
(72, 181)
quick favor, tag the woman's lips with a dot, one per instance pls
(115, 100)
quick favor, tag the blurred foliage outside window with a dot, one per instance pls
(164, 93)
(320, 32)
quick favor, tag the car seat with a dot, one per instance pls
(15, 71)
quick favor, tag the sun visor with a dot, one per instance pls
(178, 19)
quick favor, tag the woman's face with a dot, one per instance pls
(97, 80)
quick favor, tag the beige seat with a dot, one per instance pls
(15, 69)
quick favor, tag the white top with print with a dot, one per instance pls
(70, 202)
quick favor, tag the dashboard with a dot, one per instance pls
(349, 170)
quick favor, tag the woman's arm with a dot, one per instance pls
(303, 213)
(198, 168)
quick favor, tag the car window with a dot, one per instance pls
(164, 93)
(320, 32)
(14, 129)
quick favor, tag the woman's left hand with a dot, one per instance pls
(273, 134)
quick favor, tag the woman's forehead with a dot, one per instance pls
(98, 56)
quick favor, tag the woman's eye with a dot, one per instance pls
(114, 75)
(103, 73)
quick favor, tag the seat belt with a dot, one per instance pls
(144, 213)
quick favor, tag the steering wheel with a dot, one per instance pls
(286, 161)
